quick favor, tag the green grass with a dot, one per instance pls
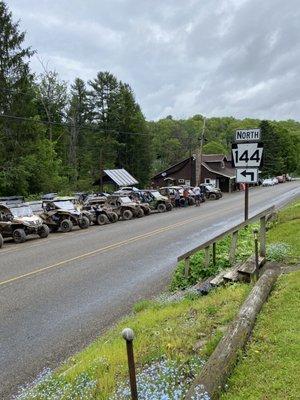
(167, 330)
(270, 368)
(170, 330)
(287, 230)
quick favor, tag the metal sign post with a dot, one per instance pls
(247, 158)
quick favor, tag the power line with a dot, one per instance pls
(69, 125)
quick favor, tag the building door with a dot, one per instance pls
(224, 184)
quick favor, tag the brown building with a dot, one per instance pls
(215, 169)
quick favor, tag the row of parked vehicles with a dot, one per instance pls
(19, 219)
(276, 180)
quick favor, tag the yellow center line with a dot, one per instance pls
(103, 249)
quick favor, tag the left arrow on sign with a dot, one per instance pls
(245, 173)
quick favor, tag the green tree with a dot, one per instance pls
(214, 147)
(273, 160)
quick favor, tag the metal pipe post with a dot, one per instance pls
(246, 201)
(128, 335)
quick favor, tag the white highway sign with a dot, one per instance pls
(247, 135)
(247, 154)
(246, 175)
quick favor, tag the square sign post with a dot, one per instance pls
(247, 158)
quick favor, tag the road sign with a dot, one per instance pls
(247, 154)
(247, 135)
(246, 175)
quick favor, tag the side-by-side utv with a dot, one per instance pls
(60, 213)
(17, 221)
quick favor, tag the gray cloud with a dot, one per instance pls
(181, 57)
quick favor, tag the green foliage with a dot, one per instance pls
(163, 331)
(199, 271)
(270, 367)
(214, 148)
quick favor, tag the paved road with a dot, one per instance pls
(58, 294)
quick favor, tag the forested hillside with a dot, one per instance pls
(57, 136)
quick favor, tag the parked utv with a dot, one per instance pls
(211, 192)
(156, 200)
(61, 213)
(100, 212)
(18, 221)
(137, 197)
(124, 207)
(169, 191)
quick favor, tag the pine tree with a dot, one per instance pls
(16, 99)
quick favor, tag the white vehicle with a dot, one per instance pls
(268, 182)
(275, 180)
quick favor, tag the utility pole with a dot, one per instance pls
(101, 169)
(199, 156)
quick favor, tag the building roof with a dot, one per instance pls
(121, 177)
(218, 169)
(213, 157)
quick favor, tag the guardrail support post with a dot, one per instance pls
(233, 247)
(262, 236)
(214, 253)
(187, 267)
(207, 257)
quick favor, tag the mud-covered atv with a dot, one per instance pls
(137, 197)
(100, 212)
(211, 192)
(156, 200)
(124, 207)
(17, 221)
(61, 213)
(169, 191)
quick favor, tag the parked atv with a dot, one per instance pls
(137, 197)
(101, 213)
(211, 192)
(156, 200)
(124, 207)
(170, 191)
(18, 221)
(61, 213)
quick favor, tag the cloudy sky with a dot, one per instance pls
(181, 57)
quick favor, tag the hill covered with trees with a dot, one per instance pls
(57, 137)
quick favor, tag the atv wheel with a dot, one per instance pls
(161, 207)
(127, 214)
(113, 217)
(213, 196)
(1, 240)
(169, 207)
(102, 219)
(66, 225)
(140, 213)
(191, 201)
(147, 211)
(182, 202)
(19, 235)
(43, 231)
(84, 223)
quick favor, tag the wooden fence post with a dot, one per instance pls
(187, 267)
(207, 257)
(262, 236)
(214, 253)
(233, 247)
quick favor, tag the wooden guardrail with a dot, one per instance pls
(261, 216)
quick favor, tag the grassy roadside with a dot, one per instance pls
(174, 338)
(270, 368)
(164, 331)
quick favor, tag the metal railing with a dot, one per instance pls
(206, 246)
